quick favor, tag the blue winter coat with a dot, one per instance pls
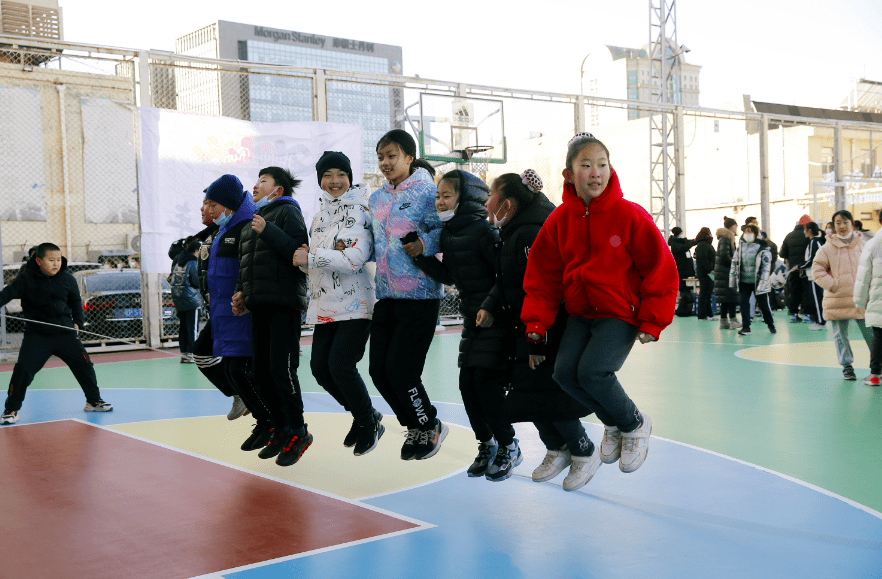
(231, 335)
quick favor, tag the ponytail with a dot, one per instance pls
(521, 188)
(422, 164)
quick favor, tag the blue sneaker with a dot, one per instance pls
(486, 455)
(506, 459)
(807, 319)
(795, 319)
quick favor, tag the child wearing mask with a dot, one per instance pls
(749, 274)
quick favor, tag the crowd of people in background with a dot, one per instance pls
(829, 279)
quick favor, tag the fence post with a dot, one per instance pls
(679, 148)
(320, 97)
(579, 117)
(151, 286)
(837, 166)
(765, 215)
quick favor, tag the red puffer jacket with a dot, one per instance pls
(610, 261)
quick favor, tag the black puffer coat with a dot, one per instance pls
(54, 300)
(534, 394)
(267, 276)
(680, 249)
(206, 236)
(725, 250)
(705, 258)
(468, 245)
(793, 248)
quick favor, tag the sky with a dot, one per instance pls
(808, 53)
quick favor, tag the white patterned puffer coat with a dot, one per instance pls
(868, 282)
(341, 283)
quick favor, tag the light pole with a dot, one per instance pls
(582, 74)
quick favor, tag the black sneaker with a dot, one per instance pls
(504, 463)
(486, 454)
(260, 435)
(408, 449)
(744, 332)
(352, 435)
(429, 442)
(848, 373)
(772, 329)
(294, 448)
(273, 445)
(368, 436)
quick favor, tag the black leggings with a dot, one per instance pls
(746, 289)
(336, 348)
(401, 333)
(484, 401)
(727, 310)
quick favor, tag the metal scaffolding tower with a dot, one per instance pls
(666, 189)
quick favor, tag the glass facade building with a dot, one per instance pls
(275, 98)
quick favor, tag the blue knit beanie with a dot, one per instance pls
(226, 190)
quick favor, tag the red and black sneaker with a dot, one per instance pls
(273, 447)
(294, 448)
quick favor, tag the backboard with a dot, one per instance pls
(459, 130)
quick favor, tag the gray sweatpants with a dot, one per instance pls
(840, 338)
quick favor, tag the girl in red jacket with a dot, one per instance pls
(606, 260)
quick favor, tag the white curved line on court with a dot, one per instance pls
(739, 355)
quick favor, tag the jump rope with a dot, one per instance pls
(81, 331)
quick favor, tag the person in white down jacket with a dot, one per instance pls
(868, 296)
(341, 295)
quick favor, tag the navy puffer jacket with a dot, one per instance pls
(231, 334)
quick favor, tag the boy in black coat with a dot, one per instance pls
(274, 291)
(49, 294)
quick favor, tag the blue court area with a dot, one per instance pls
(715, 498)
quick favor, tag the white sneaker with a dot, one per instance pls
(611, 445)
(635, 446)
(581, 471)
(238, 409)
(552, 465)
(9, 417)
(98, 406)
(817, 327)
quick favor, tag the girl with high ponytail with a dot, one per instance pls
(405, 225)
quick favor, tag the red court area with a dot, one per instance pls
(81, 501)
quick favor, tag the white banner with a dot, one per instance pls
(24, 189)
(180, 154)
(109, 174)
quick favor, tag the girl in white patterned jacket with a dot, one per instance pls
(341, 295)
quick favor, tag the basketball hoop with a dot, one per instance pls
(470, 152)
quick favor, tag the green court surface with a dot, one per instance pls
(775, 401)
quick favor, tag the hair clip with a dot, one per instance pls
(580, 136)
(531, 179)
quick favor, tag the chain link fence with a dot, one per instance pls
(68, 161)
(69, 158)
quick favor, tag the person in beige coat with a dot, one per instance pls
(835, 269)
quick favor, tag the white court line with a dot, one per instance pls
(743, 357)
